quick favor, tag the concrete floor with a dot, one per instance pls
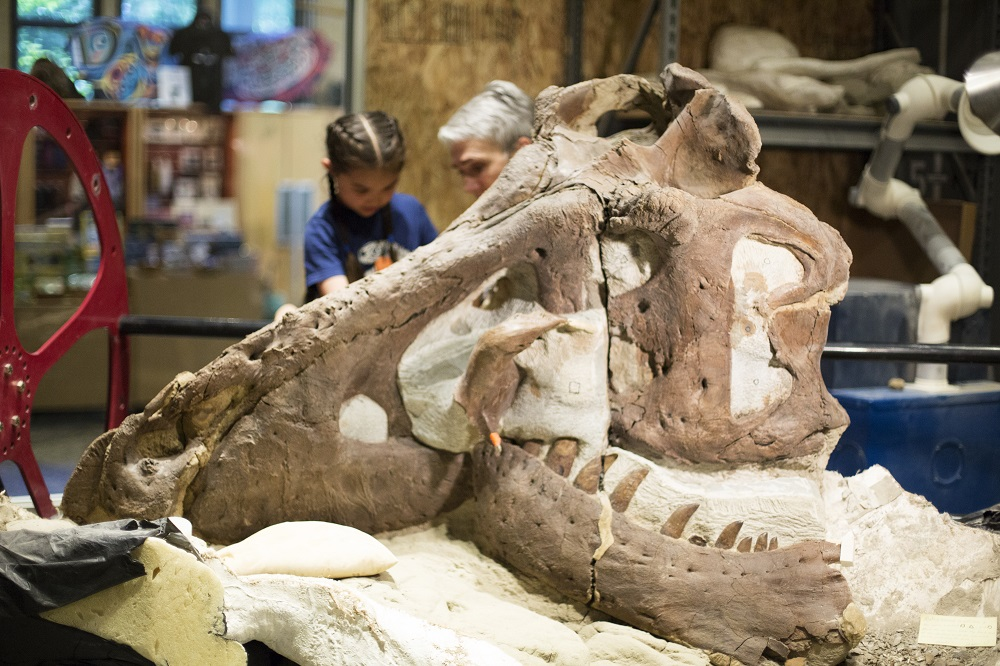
(58, 440)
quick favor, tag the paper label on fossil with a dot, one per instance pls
(847, 548)
(957, 631)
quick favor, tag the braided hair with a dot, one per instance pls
(370, 140)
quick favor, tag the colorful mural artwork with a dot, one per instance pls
(276, 67)
(119, 58)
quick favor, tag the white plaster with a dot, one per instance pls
(628, 366)
(432, 366)
(788, 507)
(874, 487)
(619, 644)
(909, 558)
(758, 269)
(363, 419)
(564, 390)
(319, 622)
(449, 583)
(629, 261)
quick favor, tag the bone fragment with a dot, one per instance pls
(532, 446)
(776, 649)
(604, 527)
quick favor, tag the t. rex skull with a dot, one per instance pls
(612, 315)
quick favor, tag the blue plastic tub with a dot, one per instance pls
(944, 446)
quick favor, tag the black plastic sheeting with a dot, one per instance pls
(986, 519)
(40, 571)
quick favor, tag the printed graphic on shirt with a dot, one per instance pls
(372, 250)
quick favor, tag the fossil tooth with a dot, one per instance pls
(698, 540)
(623, 492)
(561, 456)
(745, 544)
(490, 381)
(532, 446)
(761, 544)
(589, 478)
(773, 544)
(727, 537)
(678, 520)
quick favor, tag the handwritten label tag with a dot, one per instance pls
(957, 631)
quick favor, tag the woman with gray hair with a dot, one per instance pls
(483, 134)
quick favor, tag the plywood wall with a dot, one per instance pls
(427, 57)
(609, 30)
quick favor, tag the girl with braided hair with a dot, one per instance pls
(366, 224)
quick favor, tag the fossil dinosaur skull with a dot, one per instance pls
(617, 316)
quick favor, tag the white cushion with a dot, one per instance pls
(308, 548)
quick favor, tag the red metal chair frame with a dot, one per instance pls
(26, 103)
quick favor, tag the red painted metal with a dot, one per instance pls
(26, 103)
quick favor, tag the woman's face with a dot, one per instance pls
(478, 162)
(365, 191)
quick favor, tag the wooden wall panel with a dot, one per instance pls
(610, 27)
(425, 58)
(268, 149)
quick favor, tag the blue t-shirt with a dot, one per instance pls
(326, 250)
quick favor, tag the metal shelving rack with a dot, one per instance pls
(831, 132)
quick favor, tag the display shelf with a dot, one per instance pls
(817, 131)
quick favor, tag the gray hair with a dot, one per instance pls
(501, 113)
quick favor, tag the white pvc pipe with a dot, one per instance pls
(957, 294)
(960, 291)
(926, 97)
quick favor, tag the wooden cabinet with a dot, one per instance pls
(78, 381)
(272, 149)
(152, 156)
